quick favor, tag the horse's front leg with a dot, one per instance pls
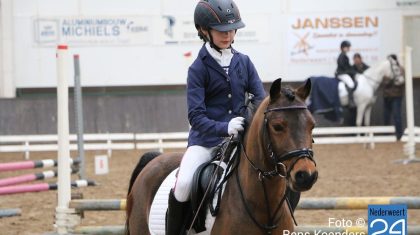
(368, 112)
(361, 108)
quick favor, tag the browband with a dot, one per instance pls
(286, 108)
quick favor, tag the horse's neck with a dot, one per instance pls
(375, 74)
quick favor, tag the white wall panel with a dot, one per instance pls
(159, 62)
(120, 7)
(342, 5)
(56, 7)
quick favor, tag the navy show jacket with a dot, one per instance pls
(214, 97)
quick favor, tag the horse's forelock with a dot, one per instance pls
(289, 93)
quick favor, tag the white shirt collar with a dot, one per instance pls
(224, 58)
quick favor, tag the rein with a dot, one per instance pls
(280, 170)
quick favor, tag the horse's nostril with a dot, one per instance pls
(301, 176)
(315, 176)
(304, 178)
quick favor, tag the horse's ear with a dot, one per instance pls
(304, 90)
(275, 89)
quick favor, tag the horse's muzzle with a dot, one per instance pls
(304, 180)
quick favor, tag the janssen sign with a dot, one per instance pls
(336, 22)
(317, 38)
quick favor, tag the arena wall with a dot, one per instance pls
(140, 110)
(152, 43)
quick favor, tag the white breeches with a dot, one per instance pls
(192, 159)
(346, 79)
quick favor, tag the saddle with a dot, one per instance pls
(203, 181)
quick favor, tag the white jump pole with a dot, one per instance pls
(410, 146)
(62, 221)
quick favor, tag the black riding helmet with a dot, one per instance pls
(345, 44)
(221, 15)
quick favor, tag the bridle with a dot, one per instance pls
(395, 68)
(278, 160)
(280, 170)
(298, 153)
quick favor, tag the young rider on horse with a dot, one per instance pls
(216, 86)
(345, 72)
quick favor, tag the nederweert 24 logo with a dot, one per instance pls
(387, 219)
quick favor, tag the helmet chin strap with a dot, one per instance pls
(212, 45)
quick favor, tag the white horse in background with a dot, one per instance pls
(368, 84)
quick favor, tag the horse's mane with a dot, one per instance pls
(376, 69)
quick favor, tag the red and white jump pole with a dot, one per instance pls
(27, 188)
(62, 216)
(29, 177)
(13, 166)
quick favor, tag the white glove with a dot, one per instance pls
(235, 126)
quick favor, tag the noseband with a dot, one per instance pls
(279, 170)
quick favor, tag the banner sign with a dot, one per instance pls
(408, 3)
(316, 39)
(181, 29)
(79, 31)
(133, 30)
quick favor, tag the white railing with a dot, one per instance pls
(176, 140)
(107, 141)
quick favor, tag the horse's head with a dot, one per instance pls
(395, 72)
(390, 70)
(289, 124)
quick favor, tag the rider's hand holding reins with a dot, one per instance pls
(235, 126)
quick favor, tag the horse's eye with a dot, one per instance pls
(278, 127)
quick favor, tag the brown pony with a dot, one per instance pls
(276, 156)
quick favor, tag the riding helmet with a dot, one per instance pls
(221, 15)
(345, 43)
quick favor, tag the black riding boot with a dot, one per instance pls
(176, 216)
